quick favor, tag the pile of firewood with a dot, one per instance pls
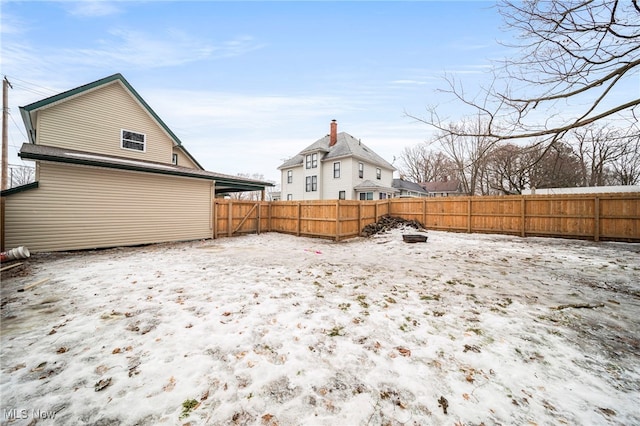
(386, 223)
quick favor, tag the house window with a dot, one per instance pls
(132, 140)
(312, 161)
(174, 159)
(383, 195)
(312, 183)
(336, 170)
(360, 170)
(366, 195)
(342, 195)
(378, 174)
(289, 197)
(289, 176)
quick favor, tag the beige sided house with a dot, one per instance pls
(109, 172)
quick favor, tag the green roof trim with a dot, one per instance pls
(26, 110)
(18, 189)
(59, 155)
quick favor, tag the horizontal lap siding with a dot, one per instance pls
(78, 207)
(92, 122)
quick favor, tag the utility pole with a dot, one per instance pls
(5, 153)
(5, 144)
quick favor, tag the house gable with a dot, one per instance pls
(92, 118)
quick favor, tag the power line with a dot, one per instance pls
(29, 87)
(17, 126)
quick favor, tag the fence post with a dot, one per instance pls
(469, 215)
(424, 212)
(523, 216)
(259, 215)
(359, 218)
(299, 216)
(215, 219)
(596, 218)
(338, 223)
(229, 219)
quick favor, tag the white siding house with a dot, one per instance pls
(337, 166)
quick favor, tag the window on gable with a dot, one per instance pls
(336, 170)
(133, 140)
(289, 176)
(311, 161)
(174, 159)
(378, 174)
(360, 170)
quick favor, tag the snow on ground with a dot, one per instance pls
(273, 329)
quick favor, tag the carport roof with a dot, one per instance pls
(223, 183)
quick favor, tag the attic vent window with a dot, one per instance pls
(134, 141)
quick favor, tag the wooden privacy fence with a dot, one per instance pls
(613, 217)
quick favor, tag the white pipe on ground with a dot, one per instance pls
(13, 254)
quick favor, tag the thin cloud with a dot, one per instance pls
(91, 8)
(130, 48)
(409, 82)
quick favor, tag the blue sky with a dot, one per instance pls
(247, 84)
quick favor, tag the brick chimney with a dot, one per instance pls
(333, 136)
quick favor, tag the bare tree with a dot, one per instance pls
(554, 167)
(419, 164)
(571, 56)
(21, 175)
(598, 147)
(468, 153)
(626, 168)
(508, 169)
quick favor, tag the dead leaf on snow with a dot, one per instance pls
(442, 402)
(169, 386)
(607, 411)
(403, 351)
(62, 350)
(101, 384)
(466, 396)
(116, 351)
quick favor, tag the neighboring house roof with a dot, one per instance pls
(448, 186)
(369, 185)
(224, 183)
(28, 111)
(402, 184)
(346, 146)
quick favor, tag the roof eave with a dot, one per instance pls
(227, 182)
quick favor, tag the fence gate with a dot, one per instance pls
(234, 217)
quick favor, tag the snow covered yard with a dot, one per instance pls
(273, 329)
